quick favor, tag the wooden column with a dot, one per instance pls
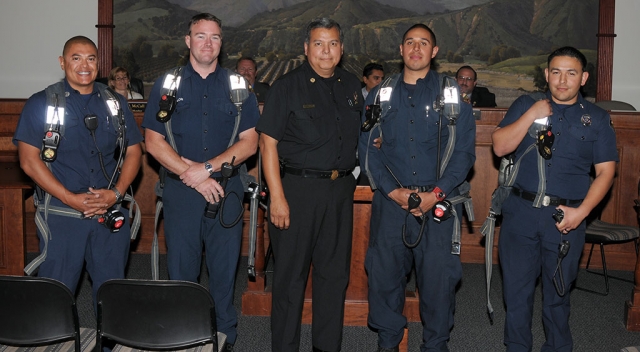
(105, 37)
(606, 35)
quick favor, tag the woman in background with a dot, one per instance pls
(119, 81)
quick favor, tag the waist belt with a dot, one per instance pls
(420, 188)
(217, 178)
(308, 173)
(546, 200)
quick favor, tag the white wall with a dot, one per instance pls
(32, 35)
(626, 53)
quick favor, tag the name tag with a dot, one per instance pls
(308, 106)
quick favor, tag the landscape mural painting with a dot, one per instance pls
(506, 41)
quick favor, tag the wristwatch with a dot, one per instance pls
(208, 167)
(439, 194)
(118, 195)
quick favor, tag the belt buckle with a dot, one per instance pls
(334, 174)
(546, 200)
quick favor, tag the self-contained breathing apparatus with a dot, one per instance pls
(541, 133)
(448, 104)
(239, 92)
(113, 218)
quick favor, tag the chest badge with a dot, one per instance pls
(586, 120)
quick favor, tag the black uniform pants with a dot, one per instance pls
(321, 214)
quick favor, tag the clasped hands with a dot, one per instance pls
(198, 178)
(401, 197)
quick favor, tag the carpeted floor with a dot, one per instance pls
(597, 322)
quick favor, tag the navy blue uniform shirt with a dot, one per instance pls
(204, 116)
(577, 146)
(410, 139)
(77, 165)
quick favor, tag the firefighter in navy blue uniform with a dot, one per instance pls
(529, 235)
(409, 153)
(310, 126)
(76, 181)
(202, 125)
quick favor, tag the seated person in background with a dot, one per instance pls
(119, 81)
(478, 97)
(247, 67)
(372, 75)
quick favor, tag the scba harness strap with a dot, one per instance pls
(239, 92)
(507, 174)
(451, 110)
(54, 131)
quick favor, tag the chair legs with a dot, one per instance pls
(604, 269)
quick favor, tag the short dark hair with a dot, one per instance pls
(247, 58)
(204, 17)
(423, 26)
(78, 39)
(570, 52)
(323, 22)
(368, 68)
(467, 67)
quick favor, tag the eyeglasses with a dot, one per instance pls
(122, 78)
(462, 78)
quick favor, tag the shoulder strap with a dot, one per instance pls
(239, 92)
(56, 101)
(171, 90)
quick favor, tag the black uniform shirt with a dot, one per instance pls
(315, 120)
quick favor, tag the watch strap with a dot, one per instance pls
(118, 195)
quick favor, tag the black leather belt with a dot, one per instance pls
(546, 200)
(420, 188)
(217, 178)
(308, 173)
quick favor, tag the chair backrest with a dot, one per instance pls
(615, 105)
(37, 311)
(155, 314)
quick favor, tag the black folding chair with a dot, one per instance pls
(157, 315)
(37, 311)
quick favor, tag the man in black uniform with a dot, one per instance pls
(309, 134)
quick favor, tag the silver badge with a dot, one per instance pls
(586, 120)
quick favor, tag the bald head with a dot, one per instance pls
(80, 40)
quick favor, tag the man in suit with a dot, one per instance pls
(478, 97)
(247, 67)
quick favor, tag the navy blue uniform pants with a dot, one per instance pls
(321, 214)
(187, 229)
(388, 263)
(76, 241)
(528, 248)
